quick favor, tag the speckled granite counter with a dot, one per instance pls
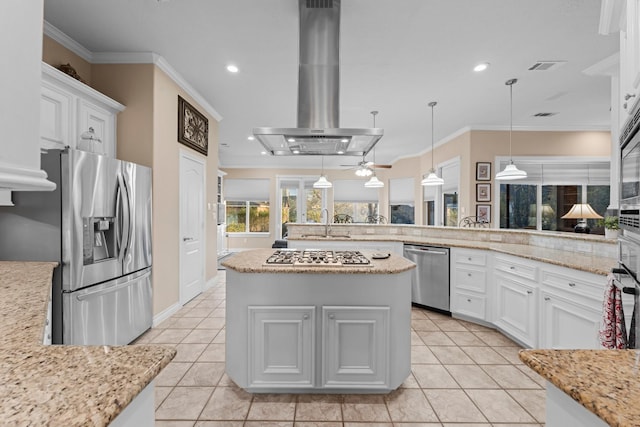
(61, 385)
(253, 262)
(580, 261)
(606, 382)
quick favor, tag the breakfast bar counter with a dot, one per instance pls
(309, 327)
(63, 385)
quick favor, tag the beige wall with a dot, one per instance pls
(147, 134)
(54, 54)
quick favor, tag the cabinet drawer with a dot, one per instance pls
(470, 305)
(517, 267)
(470, 258)
(470, 279)
(576, 283)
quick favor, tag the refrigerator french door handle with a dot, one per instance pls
(125, 220)
(112, 289)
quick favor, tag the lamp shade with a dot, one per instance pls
(322, 183)
(510, 173)
(580, 211)
(432, 179)
(374, 182)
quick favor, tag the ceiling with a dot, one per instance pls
(396, 57)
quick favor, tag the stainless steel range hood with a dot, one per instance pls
(318, 131)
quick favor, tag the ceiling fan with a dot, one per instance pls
(365, 168)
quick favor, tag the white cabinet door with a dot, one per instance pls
(566, 325)
(281, 346)
(515, 310)
(95, 129)
(55, 117)
(356, 346)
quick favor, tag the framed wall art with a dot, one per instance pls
(193, 127)
(483, 171)
(483, 192)
(483, 213)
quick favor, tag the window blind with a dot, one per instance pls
(240, 190)
(401, 191)
(353, 190)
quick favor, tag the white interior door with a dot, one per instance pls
(192, 215)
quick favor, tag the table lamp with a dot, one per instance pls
(581, 212)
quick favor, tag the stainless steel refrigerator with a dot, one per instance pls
(97, 226)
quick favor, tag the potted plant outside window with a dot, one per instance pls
(611, 227)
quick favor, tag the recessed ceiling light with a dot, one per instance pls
(481, 67)
(344, 140)
(232, 68)
(264, 153)
(296, 151)
(251, 138)
(340, 151)
(291, 140)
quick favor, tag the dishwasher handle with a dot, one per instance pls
(426, 250)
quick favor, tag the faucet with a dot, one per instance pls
(327, 225)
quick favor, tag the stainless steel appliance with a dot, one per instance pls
(629, 281)
(430, 278)
(97, 226)
(629, 217)
(317, 258)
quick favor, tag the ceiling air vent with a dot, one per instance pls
(319, 4)
(546, 65)
(544, 114)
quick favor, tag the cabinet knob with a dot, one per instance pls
(468, 299)
(529, 292)
(572, 285)
(469, 274)
(629, 96)
(305, 317)
(547, 299)
(332, 316)
(469, 258)
(512, 267)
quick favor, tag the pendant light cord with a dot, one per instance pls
(510, 83)
(432, 104)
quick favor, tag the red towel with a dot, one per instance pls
(613, 334)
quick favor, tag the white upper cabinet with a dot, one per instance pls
(75, 115)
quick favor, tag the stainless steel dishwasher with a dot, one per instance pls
(430, 278)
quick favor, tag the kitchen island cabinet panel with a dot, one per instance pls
(515, 310)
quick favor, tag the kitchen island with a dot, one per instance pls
(319, 329)
(66, 385)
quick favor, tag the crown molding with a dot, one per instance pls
(66, 41)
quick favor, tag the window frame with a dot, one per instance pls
(247, 219)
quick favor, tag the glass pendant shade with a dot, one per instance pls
(322, 182)
(510, 173)
(374, 182)
(432, 179)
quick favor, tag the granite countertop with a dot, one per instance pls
(579, 261)
(603, 381)
(253, 261)
(61, 385)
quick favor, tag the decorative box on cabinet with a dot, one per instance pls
(469, 283)
(516, 288)
(75, 115)
(346, 331)
(281, 346)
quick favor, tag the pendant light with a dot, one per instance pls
(432, 178)
(322, 182)
(374, 182)
(511, 172)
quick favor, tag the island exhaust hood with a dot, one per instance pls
(318, 131)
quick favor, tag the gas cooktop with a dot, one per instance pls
(318, 258)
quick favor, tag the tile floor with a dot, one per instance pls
(463, 375)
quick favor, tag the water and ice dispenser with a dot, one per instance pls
(99, 239)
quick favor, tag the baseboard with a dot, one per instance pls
(166, 313)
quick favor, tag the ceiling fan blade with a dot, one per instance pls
(381, 166)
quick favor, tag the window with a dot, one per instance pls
(401, 201)
(550, 190)
(351, 197)
(247, 203)
(299, 202)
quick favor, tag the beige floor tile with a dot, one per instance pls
(268, 424)
(213, 353)
(420, 425)
(218, 312)
(471, 376)
(415, 339)
(436, 316)
(364, 407)
(422, 354)
(509, 377)
(432, 338)
(225, 381)
(484, 355)
(148, 336)
(219, 424)
(174, 424)
(467, 425)
(160, 393)
(187, 322)
(541, 381)
(184, 403)
(317, 424)
(368, 424)
(171, 336)
(200, 336)
(424, 324)
(495, 339)
(451, 355)
(464, 338)
(475, 327)
(417, 313)
(409, 405)
(510, 353)
(269, 410)
(198, 312)
(533, 401)
(449, 325)
(498, 406)
(189, 352)
(227, 403)
(433, 376)
(172, 374)
(220, 337)
(454, 406)
(410, 382)
(319, 407)
(203, 374)
(211, 323)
